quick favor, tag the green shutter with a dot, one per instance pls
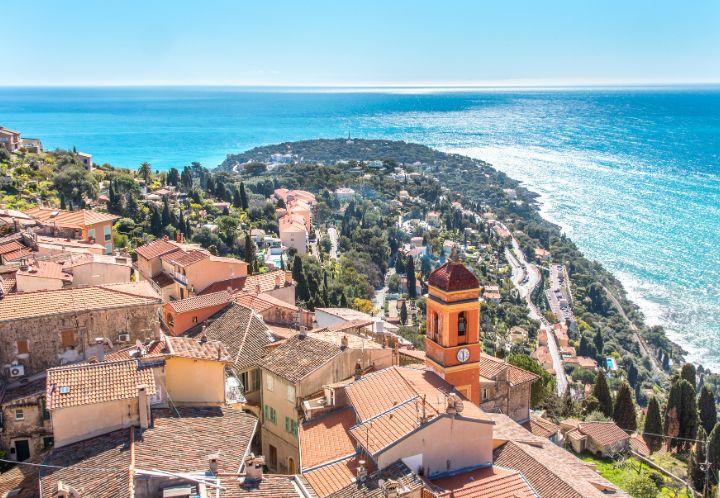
(287, 424)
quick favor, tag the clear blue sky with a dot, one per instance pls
(368, 42)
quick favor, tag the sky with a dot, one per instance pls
(359, 43)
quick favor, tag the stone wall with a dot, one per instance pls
(34, 426)
(44, 335)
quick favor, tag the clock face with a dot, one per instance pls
(463, 355)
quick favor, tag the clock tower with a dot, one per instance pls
(452, 341)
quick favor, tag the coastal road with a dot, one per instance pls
(526, 277)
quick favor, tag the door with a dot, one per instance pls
(291, 466)
(22, 450)
(273, 457)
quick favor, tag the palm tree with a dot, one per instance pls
(145, 171)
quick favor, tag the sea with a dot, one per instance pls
(632, 175)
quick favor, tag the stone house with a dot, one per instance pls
(44, 329)
(25, 427)
(604, 439)
(505, 388)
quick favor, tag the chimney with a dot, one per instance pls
(165, 238)
(143, 406)
(62, 490)
(254, 468)
(361, 471)
(203, 337)
(100, 354)
(278, 280)
(302, 332)
(23, 265)
(288, 277)
(213, 460)
(391, 489)
(257, 288)
(344, 342)
(358, 371)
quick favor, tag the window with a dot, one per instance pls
(270, 414)
(170, 319)
(43, 409)
(91, 233)
(484, 394)
(68, 339)
(48, 441)
(462, 323)
(256, 380)
(107, 232)
(269, 382)
(244, 381)
(22, 347)
(19, 414)
(108, 248)
(291, 426)
(291, 394)
(194, 319)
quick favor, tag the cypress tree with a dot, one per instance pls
(250, 254)
(624, 411)
(297, 270)
(343, 300)
(697, 457)
(688, 373)
(713, 449)
(652, 432)
(243, 197)
(688, 413)
(632, 373)
(156, 225)
(131, 208)
(166, 217)
(599, 342)
(671, 426)
(666, 361)
(236, 198)
(181, 223)
(399, 264)
(602, 392)
(403, 313)
(707, 408)
(410, 275)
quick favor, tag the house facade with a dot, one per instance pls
(26, 429)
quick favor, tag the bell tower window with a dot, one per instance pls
(462, 324)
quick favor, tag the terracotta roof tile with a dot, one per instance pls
(73, 300)
(188, 347)
(371, 487)
(156, 248)
(603, 433)
(331, 478)
(177, 441)
(23, 479)
(378, 392)
(271, 486)
(542, 427)
(453, 277)
(488, 482)
(96, 383)
(19, 254)
(242, 332)
(265, 282)
(327, 438)
(299, 357)
(46, 269)
(11, 246)
(201, 302)
(18, 394)
(261, 302)
(69, 219)
(184, 259)
(381, 431)
(163, 280)
(490, 367)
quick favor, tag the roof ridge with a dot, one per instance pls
(384, 412)
(329, 463)
(552, 471)
(244, 338)
(113, 288)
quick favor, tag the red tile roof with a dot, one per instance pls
(11, 246)
(46, 269)
(328, 479)
(488, 482)
(201, 302)
(96, 383)
(197, 349)
(19, 254)
(453, 277)
(299, 357)
(69, 219)
(261, 302)
(490, 367)
(184, 259)
(603, 433)
(155, 249)
(327, 438)
(271, 486)
(541, 426)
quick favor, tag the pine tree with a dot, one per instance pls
(707, 408)
(403, 313)
(624, 411)
(695, 471)
(410, 275)
(688, 373)
(243, 197)
(653, 430)
(250, 254)
(602, 392)
(599, 342)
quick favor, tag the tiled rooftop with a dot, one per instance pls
(46, 269)
(177, 441)
(603, 432)
(69, 219)
(96, 383)
(327, 438)
(197, 348)
(331, 478)
(17, 394)
(261, 302)
(490, 367)
(453, 277)
(299, 357)
(155, 249)
(200, 302)
(79, 299)
(184, 259)
(488, 482)
(542, 427)
(271, 486)
(243, 334)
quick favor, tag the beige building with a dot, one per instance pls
(295, 372)
(91, 226)
(44, 329)
(604, 439)
(293, 233)
(10, 139)
(41, 275)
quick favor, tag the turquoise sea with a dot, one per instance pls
(633, 175)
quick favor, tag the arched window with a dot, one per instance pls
(462, 323)
(436, 325)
